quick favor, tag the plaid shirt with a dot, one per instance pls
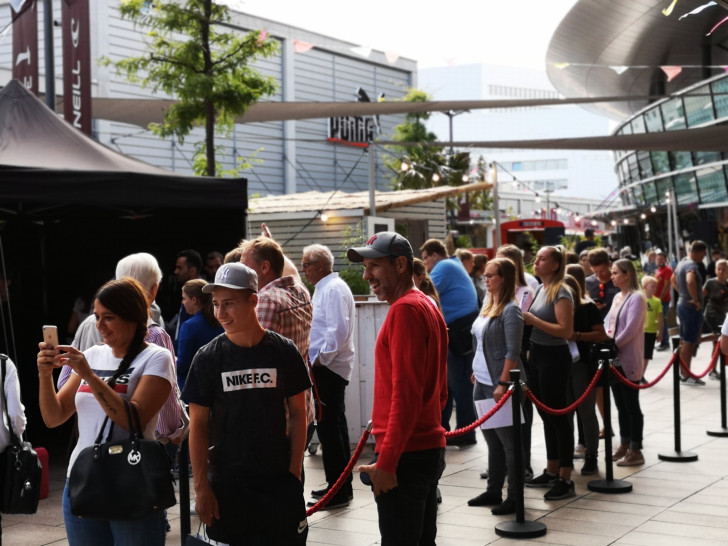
(284, 306)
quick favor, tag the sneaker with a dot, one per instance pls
(546, 479)
(528, 473)
(693, 382)
(632, 458)
(337, 501)
(590, 465)
(562, 489)
(714, 375)
(579, 451)
(319, 493)
(484, 475)
(620, 452)
(662, 348)
(489, 498)
(508, 506)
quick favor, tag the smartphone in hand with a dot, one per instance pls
(50, 335)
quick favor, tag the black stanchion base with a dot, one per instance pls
(678, 456)
(525, 529)
(609, 486)
(720, 432)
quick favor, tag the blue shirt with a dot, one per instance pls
(455, 288)
(193, 334)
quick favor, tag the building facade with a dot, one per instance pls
(668, 67)
(285, 156)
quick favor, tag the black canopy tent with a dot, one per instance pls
(70, 208)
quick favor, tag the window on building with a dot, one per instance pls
(660, 162)
(650, 193)
(712, 185)
(638, 125)
(686, 189)
(673, 114)
(720, 98)
(699, 109)
(653, 121)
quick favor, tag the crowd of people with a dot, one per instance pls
(257, 361)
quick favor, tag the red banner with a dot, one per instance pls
(76, 64)
(25, 46)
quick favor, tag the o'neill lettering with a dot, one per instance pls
(264, 378)
(76, 81)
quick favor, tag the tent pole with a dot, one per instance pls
(50, 64)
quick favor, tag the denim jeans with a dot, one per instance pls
(148, 531)
(665, 337)
(631, 420)
(408, 513)
(459, 390)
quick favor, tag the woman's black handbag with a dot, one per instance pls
(122, 480)
(21, 470)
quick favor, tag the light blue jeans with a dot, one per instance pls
(149, 531)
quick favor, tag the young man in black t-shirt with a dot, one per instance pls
(239, 387)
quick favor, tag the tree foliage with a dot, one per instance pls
(195, 58)
(415, 164)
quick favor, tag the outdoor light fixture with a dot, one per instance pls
(404, 166)
(324, 217)
(465, 178)
(643, 216)
(625, 221)
(653, 208)
(435, 177)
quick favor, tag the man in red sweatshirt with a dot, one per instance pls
(410, 390)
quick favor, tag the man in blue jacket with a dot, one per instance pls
(459, 303)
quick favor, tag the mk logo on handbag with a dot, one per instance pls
(134, 457)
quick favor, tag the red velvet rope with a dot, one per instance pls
(483, 419)
(573, 406)
(344, 475)
(632, 385)
(714, 358)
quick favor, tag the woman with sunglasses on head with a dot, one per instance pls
(125, 367)
(552, 318)
(626, 324)
(498, 330)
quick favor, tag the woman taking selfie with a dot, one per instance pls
(549, 368)
(125, 367)
(498, 330)
(626, 324)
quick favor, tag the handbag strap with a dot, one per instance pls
(132, 418)
(619, 312)
(6, 414)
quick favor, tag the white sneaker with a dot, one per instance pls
(579, 451)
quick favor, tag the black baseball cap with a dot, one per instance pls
(386, 243)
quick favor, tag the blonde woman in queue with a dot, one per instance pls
(626, 324)
(552, 318)
(125, 367)
(498, 330)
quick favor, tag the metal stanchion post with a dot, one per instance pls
(610, 485)
(520, 528)
(722, 431)
(183, 458)
(677, 456)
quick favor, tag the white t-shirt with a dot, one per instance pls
(153, 360)
(480, 366)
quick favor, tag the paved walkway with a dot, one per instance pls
(671, 503)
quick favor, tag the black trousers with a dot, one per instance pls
(332, 428)
(550, 382)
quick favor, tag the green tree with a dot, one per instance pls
(417, 165)
(198, 61)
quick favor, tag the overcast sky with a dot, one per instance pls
(505, 32)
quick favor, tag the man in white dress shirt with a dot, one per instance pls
(332, 356)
